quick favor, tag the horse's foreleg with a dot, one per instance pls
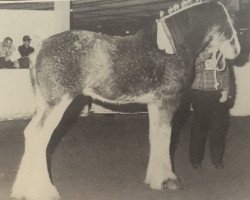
(32, 180)
(159, 170)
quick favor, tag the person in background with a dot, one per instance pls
(209, 95)
(6, 50)
(25, 50)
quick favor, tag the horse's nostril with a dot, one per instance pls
(237, 50)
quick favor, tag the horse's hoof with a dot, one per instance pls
(36, 193)
(172, 184)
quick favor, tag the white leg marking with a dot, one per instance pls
(32, 181)
(159, 166)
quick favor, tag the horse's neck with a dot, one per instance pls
(188, 37)
(147, 35)
(188, 41)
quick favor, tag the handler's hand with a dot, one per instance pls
(224, 96)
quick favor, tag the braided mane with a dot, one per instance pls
(184, 5)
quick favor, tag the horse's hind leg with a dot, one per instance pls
(159, 170)
(32, 180)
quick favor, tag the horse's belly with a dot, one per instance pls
(119, 99)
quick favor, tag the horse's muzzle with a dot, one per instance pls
(231, 49)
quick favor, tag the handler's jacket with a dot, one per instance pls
(204, 79)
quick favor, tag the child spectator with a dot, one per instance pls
(6, 50)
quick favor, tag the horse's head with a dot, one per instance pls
(222, 35)
(198, 25)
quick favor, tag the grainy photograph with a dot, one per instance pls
(125, 100)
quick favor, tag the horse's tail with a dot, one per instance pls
(33, 77)
(32, 67)
(33, 73)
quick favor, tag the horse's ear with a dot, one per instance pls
(164, 40)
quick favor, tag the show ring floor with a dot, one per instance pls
(105, 158)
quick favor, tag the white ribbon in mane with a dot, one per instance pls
(164, 37)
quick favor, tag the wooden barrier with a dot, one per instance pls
(16, 95)
(17, 99)
(242, 101)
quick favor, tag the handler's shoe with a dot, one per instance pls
(196, 166)
(219, 165)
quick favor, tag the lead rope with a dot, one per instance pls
(215, 59)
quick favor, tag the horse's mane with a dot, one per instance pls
(202, 15)
(189, 27)
(149, 28)
(192, 28)
(177, 8)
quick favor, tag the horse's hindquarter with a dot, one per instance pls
(120, 69)
(57, 65)
(69, 61)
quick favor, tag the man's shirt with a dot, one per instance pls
(25, 51)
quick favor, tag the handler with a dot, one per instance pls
(209, 94)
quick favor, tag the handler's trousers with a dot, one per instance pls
(210, 119)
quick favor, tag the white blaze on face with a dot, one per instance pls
(231, 49)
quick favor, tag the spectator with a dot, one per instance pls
(6, 50)
(210, 109)
(25, 50)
